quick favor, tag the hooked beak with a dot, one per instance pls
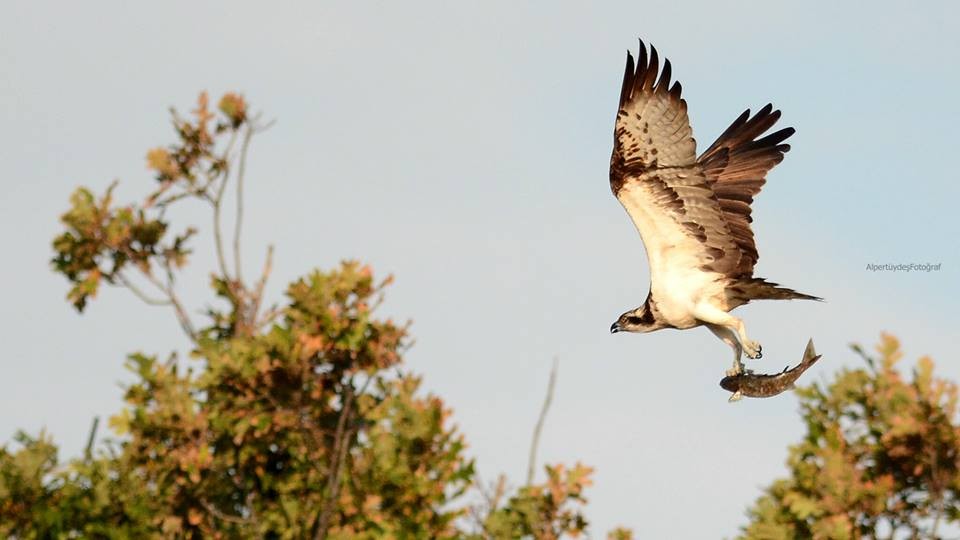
(614, 328)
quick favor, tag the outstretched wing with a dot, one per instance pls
(655, 175)
(736, 167)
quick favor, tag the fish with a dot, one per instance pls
(760, 385)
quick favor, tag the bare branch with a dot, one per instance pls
(88, 452)
(181, 313)
(140, 294)
(241, 170)
(195, 192)
(499, 491)
(531, 466)
(183, 318)
(217, 234)
(261, 284)
(217, 201)
(264, 127)
(167, 290)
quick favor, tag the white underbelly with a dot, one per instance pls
(677, 281)
(678, 291)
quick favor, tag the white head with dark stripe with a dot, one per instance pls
(641, 320)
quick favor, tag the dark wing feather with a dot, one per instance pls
(655, 175)
(736, 167)
(652, 128)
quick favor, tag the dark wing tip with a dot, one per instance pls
(646, 73)
(664, 83)
(628, 76)
(676, 90)
(653, 68)
(641, 77)
(774, 139)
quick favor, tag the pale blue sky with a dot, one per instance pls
(464, 147)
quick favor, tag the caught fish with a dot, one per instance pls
(768, 385)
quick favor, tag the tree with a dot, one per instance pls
(294, 421)
(879, 459)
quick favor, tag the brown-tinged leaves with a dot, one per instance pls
(882, 452)
(298, 424)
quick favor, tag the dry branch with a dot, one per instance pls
(531, 466)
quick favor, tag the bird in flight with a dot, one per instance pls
(693, 213)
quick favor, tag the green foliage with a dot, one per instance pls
(620, 533)
(291, 422)
(102, 240)
(23, 482)
(880, 454)
(301, 419)
(544, 511)
(94, 498)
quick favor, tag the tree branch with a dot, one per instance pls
(258, 291)
(163, 203)
(217, 204)
(217, 234)
(88, 452)
(181, 313)
(167, 290)
(333, 478)
(491, 501)
(531, 466)
(140, 294)
(241, 170)
(340, 446)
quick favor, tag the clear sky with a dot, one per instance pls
(463, 147)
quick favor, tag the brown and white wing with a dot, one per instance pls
(655, 175)
(736, 166)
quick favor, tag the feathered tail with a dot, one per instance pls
(761, 289)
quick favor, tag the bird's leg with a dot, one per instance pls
(729, 337)
(713, 315)
(753, 349)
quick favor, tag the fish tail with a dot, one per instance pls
(810, 353)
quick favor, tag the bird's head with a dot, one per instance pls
(639, 320)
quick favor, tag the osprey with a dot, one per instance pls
(693, 213)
